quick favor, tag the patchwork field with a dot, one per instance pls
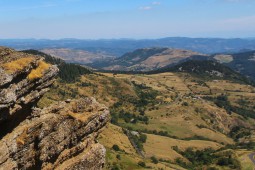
(170, 109)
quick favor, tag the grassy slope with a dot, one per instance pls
(161, 146)
(167, 113)
(244, 63)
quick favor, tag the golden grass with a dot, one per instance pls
(39, 71)
(104, 90)
(184, 124)
(17, 65)
(243, 157)
(112, 135)
(161, 147)
(172, 116)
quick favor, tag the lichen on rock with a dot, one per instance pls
(61, 136)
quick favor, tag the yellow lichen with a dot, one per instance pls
(39, 71)
(17, 65)
(21, 139)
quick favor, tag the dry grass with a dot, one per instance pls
(171, 115)
(243, 157)
(112, 135)
(104, 89)
(161, 147)
(17, 65)
(129, 159)
(39, 71)
(182, 121)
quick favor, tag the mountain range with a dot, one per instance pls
(118, 47)
(151, 59)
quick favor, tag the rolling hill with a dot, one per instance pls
(243, 63)
(146, 59)
(171, 120)
(208, 69)
(149, 59)
(77, 56)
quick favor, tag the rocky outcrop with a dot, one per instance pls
(23, 80)
(61, 136)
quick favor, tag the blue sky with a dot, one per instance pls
(95, 19)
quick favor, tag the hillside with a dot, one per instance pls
(242, 62)
(68, 72)
(77, 56)
(156, 58)
(146, 59)
(159, 120)
(207, 69)
(59, 136)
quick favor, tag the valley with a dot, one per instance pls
(198, 114)
(77, 56)
(146, 59)
(176, 111)
(127, 85)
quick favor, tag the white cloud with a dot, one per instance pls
(156, 3)
(145, 8)
(149, 7)
(241, 20)
(240, 23)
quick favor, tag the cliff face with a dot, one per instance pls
(62, 136)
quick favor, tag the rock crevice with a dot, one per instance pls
(61, 136)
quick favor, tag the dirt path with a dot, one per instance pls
(251, 156)
(140, 152)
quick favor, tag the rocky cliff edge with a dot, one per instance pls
(62, 136)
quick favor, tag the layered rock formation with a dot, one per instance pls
(62, 136)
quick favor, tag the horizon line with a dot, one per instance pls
(137, 39)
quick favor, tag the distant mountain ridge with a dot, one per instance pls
(118, 47)
(237, 53)
(146, 59)
(149, 59)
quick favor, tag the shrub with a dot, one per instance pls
(154, 159)
(115, 147)
(118, 157)
(115, 167)
(228, 161)
(142, 164)
(143, 138)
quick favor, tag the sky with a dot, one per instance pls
(138, 19)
